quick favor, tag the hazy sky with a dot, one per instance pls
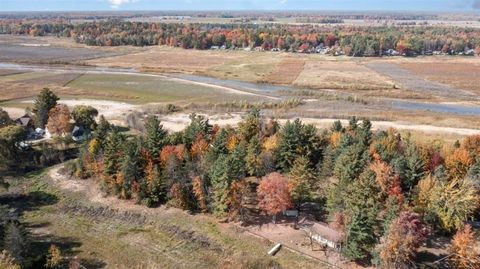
(420, 5)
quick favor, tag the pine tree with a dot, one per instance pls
(236, 162)
(350, 164)
(362, 207)
(44, 102)
(155, 136)
(130, 169)
(415, 168)
(250, 126)
(289, 144)
(301, 181)
(16, 241)
(220, 182)
(113, 152)
(253, 158)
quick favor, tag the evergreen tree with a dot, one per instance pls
(220, 182)
(236, 162)
(16, 241)
(131, 171)
(113, 152)
(301, 181)
(415, 168)
(350, 164)
(362, 206)
(155, 136)
(218, 147)
(103, 128)
(44, 102)
(289, 144)
(253, 158)
(198, 125)
(337, 127)
(250, 126)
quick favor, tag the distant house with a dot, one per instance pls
(25, 121)
(324, 235)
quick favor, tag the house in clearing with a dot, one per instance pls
(322, 234)
(25, 121)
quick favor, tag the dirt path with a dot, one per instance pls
(177, 122)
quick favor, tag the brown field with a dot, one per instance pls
(456, 74)
(286, 72)
(166, 59)
(344, 75)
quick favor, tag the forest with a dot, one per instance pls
(385, 192)
(341, 39)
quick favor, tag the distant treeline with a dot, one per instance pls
(349, 40)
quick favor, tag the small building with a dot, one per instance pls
(324, 235)
(25, 121)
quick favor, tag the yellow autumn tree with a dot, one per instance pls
(457, 163)
(454, 202)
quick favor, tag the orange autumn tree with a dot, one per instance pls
(199, 192)
(199, 146)
(464, 250)
(458, 163)
(273, 195)
(59, 120)
(170, 151)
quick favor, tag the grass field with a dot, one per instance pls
(123, 236)
(117, 87)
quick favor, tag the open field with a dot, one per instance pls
(341, 74)
(458, 75)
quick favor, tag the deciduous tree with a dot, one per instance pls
(84, 116)
(464, 250)
(59, 120)
(273, 195)
(399, 245)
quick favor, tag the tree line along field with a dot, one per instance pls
(351, 41)
(386, 193)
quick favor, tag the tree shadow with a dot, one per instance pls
(22, 203)
(41, 242)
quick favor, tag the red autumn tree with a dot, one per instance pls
(464, 249)
(273, 195)
(399, 245)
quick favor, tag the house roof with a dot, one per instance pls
(322, 229)
(24, 121)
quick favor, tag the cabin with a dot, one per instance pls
(25, 121)
(322, 234)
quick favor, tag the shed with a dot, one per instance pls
(323, 234)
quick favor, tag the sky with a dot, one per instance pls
(102, 5)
